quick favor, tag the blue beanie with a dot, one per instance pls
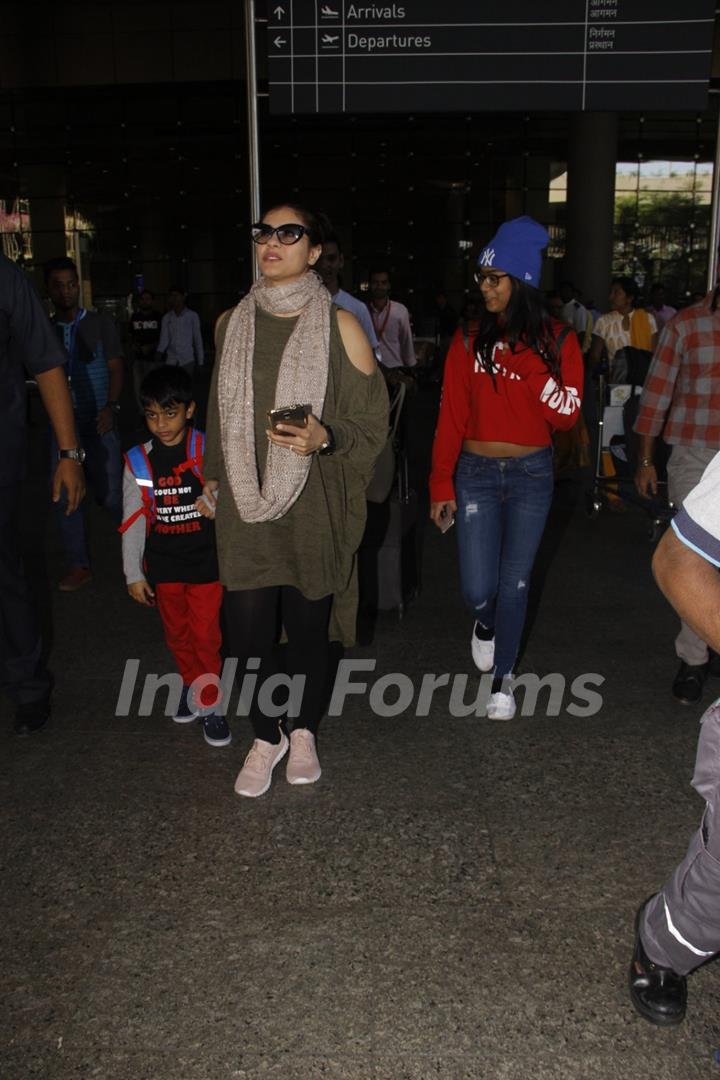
(516, 248)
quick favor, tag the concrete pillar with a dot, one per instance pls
(536, 193)
(537, 187)
(592, 155)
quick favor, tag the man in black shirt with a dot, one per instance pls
(144, 334)
(28, 343)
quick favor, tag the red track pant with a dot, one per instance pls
(191, 619)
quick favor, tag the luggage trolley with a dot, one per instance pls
(612, 478)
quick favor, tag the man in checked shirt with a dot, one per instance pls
(681, 399)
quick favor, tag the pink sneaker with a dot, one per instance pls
(255, 776)
(303, 766)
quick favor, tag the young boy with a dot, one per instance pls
(169, 555)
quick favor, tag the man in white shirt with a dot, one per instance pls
(575, 314)
(180, 336)
(391, 321)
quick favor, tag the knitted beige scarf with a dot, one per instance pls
(302, 379)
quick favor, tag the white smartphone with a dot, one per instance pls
(447, 520)
(208, 502)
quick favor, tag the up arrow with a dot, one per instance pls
(278, 42)
(279, 11)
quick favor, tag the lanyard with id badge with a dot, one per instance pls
(70, 343)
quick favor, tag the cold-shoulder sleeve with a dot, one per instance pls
(358, 417)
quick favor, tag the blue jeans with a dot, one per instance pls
(103, 473)
(503, 504)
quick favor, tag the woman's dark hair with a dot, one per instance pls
(166, 385)
(311, 221)
(526, 324)
(628, 286)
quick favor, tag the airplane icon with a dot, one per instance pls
(328, 12)
(330, 39)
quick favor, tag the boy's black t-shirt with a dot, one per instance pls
(181, 544)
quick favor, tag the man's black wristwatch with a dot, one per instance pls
(76, 453)
(328, 447)
(114, 405)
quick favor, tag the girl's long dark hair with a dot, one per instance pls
(525, 324)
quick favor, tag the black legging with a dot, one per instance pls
(251, 626)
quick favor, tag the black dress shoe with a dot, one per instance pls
(659, 994)
(688, 683)
(33, 716)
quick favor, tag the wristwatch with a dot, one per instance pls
(76, 453)
(328, 447)
(114, 405)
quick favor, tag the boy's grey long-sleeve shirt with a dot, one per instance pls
(133, 539)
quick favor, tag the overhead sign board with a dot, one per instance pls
(333, 56)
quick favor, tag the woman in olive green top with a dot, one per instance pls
(289, 503)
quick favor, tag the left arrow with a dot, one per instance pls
(278, 42)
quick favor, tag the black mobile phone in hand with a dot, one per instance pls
(447, 520)
(292, 415)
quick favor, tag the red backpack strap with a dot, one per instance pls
(195, 450)
(197, 447)
(139, 465)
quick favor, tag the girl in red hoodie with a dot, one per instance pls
(492, 458)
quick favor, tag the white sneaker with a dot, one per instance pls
(303, 766)
(483, 652)
(501, 706)
(256, 774)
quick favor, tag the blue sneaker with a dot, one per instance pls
(216, 730)
(185, 712)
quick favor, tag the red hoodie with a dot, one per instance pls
(522, 404)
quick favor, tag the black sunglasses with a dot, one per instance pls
(493, 280)
(286, 234)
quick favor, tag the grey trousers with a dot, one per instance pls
(680, 926)
(685, 469)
